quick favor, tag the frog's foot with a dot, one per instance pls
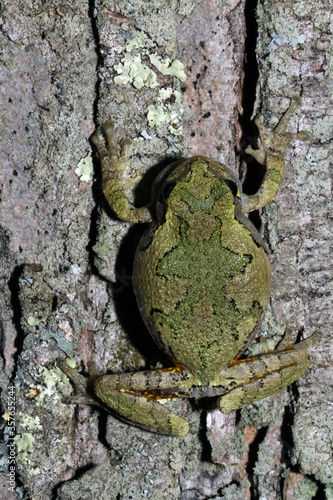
(134, 398)
(278, 139)
(83, 385)
(271, 153)
(127, 396)
(286, 340)
(129, 182)
(261, 376)
(114, 180)
(105, 142)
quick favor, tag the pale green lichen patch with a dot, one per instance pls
(137, 42)
(132, 70)
(176, 68)
(156, 115)
(24, 444)
(85, 168)
(51, 378)
(35, 319)
(49, 381)
(168, 109)
(185, 7)
(29, 422)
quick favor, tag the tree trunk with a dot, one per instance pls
(67, 261)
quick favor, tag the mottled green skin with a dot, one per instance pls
(202, 283)
(201, 277)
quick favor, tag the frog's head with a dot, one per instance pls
(198, 185)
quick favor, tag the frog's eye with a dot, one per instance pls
(167, 188)
(232, 186)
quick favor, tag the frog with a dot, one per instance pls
(202, 281)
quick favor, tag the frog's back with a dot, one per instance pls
(202, 279)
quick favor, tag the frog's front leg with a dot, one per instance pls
(114, 179)
(271, 154)
(134, 396)
(261, 376)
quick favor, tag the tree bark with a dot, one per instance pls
(67, 261)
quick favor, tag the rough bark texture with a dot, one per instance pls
(66, 260)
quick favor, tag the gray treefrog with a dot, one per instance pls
(202, 279)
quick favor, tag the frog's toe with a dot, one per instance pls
(108, 128)
(259, 120)
(98, 139)
(303, 135)
(296, 100)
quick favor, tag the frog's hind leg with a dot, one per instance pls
(145, 412)
(261, 376)
(134, 397)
